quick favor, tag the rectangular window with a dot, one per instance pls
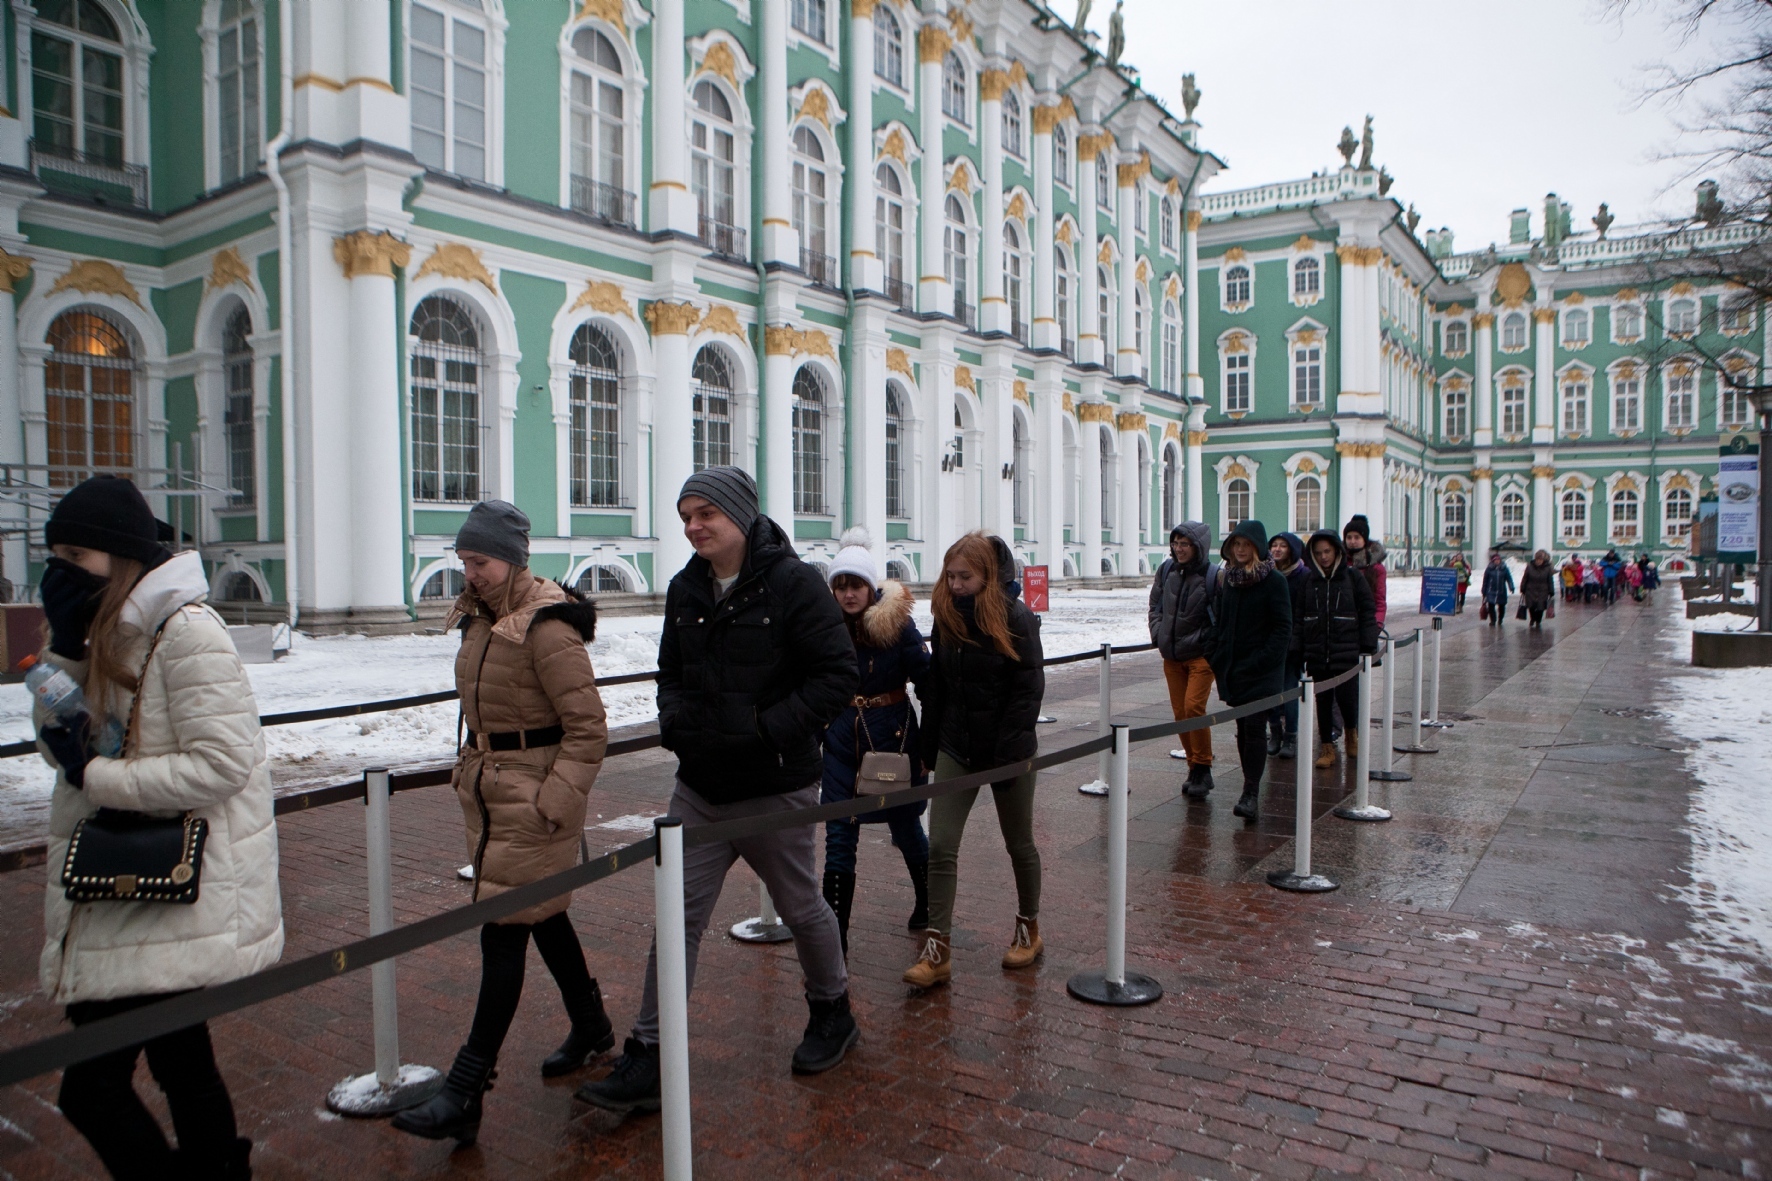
(1627, 404)
(237, 428)
(237, 86)
(1457, 405)
(1682, 401)
(1513, 410)
(1574, 516)
(809, 17)
(1236, 383)
(77, 99)
(1307, 375)
(447, 87)
(446, 425)
(1575, 408)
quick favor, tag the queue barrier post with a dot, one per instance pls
(1414, 746)
(1099, 785)
(1299, 878)
(1388, 772)
(767, 927)
(1363, 808)
(392, 1086)
(1116, 986)
(673, 998)
(1433, 688)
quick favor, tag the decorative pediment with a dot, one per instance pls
(719, 53)
(960, 178)
(1236, 254)
(228, 268)
(814, 101)
(95, 276)
(1095, 412)
(780, 340)
(963, 379)
(1019, 391)
(896, 146)
(899, 361)
(1574, 299)
(723, 320)
(453, 260)
(603, 297)
(1236, 342)
(1018, 207)
(1512, 285)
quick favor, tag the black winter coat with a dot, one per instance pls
(1538, 585)
(981, 706)
(746, 688)
(890, 652)
(1251, 630)
(1334, 615)
(1178, 612)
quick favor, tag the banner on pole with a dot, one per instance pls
(1034, 588)
(1738, 502)
(1439, 590)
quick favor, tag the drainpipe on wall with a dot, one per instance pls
(285, 308)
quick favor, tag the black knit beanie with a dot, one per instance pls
(1359, 524)
(109, 514)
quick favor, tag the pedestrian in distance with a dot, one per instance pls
(171, 727)
(986, 679)
(1366, 556)
(1463, 566)
(1247, 644)
(1538, 584)
(1611, 566)
(1590, 581)
(1633, 578)
(1181, 595)
(1498, 584)
(1334, 623)
(535, 733)
(1287, 551)
(753, 664)
(1569, 577)
(889, 654)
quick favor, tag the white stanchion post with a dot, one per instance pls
(1388, 773)
(1414, 745)
(391, 1087)
(1116, 986)
(1362, 808)
(1099, 785)
(673, 998)
(1300, 879)
(1433, 687)
(767, 927)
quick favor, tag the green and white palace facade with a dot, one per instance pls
(323, 273)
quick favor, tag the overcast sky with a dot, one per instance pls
(1477, 108)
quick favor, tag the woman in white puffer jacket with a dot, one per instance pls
(127, 619)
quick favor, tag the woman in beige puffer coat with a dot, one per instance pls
(533, 744)
(128, 621)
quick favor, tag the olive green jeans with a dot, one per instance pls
(947, 824)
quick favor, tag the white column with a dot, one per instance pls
(1090, 346)
(673, 424)
(867, 422)
(933, 292)
(778, 427)
(1482, 513)
(377, 546)
(1048, 482)
(1196, 464)
(1544, 379)
(1127, 361)
(1483, 396)
(940, 512)
(1045, 327)
(1131, 424)
(1544, 519)
(781, 243)
(996, 401)
(1093, 417)
(672, 204)
(13, 545)
(993, 308)
(866, 269)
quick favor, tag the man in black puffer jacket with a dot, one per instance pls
(1181, 595)
(753, 664)
(1334, 621)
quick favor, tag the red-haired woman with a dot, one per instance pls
(985, 684)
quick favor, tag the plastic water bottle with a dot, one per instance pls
(62, 696)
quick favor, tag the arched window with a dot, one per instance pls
(1061, 156)
(1168, 224)
(89, 388)
(446, 86)
(1307, 277)
(1236, 503)
(1012, 271)
(1627, 400)
(599, 174)
(959, 438)
(954, 254)
(714, 171)
(810, 206)
(1575, 328)
(1627, 322)
(1062, 285)
(889, 228)
(1236, 286)
(1511, 513)
(1171, 347)
(77, 85)
(1104, 187)
(1682, 398)
(1171, 487)
(1023, 469)
(1104, 308)
(600, 580)
(1457, 339)
(1626, 508)
(1011, 123)
(1682, 317)
(1108, 490)
(1572, 516)
(237, 424)
(1676, 515)
(1452, 513)
(1307, 505)
(1575, 404)
(595, 397)
(809, 404)
(1513, 331)
(896, 434)
(1513, 405)
(953, 88)
(446, 367)
(238, 86)
(888, 46)
(712, 409)
(809, 17)
(1140, 317)
(443, 586)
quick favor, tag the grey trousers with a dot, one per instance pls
(785, 861)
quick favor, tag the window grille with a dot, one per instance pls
(237, 424)
(89, 388)
(809, 410)
(713, 409)
(595, 399)
(445, 393)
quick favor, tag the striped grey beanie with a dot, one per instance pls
(729, 489)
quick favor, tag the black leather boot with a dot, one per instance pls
(830, 1031)
(919, 871)
(632, 1084)
(453, 1112)
(591, 1035)
(1249, 806)
(839, 894)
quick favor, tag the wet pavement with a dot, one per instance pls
(1491, 992)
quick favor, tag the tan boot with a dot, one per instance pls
(1326, 755)
(1027, 945)
(934, 966)
(1351, 742)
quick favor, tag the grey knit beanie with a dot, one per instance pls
(498, 529)
(729, 489)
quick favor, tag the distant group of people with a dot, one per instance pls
(1600, 580)
(1606, 578)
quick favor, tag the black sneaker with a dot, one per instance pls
(631, 1084)
(1274, 738)
(1199, 782)
(829, 1033)
(1249, 806)
(1289, 747)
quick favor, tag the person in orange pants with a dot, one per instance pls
(1180, 594)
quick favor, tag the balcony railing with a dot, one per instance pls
(70, 171)
(901, 293)
(727, 241)
(820, 268)
(1020, 331)
(966, 314)
(1068, 347)
(604, 202)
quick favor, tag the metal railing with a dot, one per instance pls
(1019, 331)
(722, 238)
(820, 268)
(604, 202)
(901, 293)
(966, 314)
(1067, 346)
(102, 176)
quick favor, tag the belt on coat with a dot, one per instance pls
(518, 739)
(879, 700)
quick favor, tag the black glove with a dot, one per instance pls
(70, 751)
(70, 599)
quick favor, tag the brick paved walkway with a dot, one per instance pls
(1433, 1018)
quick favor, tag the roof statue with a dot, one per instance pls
(1346, 146)
(1385, 181)
(1366, 146)
(1710, 206)
(1116, 33)
(1603, 219)
(1412, 218)
(1190, 95)
(1083, 7)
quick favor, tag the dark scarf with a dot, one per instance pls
(1245, 576)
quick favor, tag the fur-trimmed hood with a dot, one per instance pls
(528, 600)
(577, 610)
(883, 622)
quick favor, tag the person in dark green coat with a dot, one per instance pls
(1246, 645)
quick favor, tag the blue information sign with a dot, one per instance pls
(1439, 590)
